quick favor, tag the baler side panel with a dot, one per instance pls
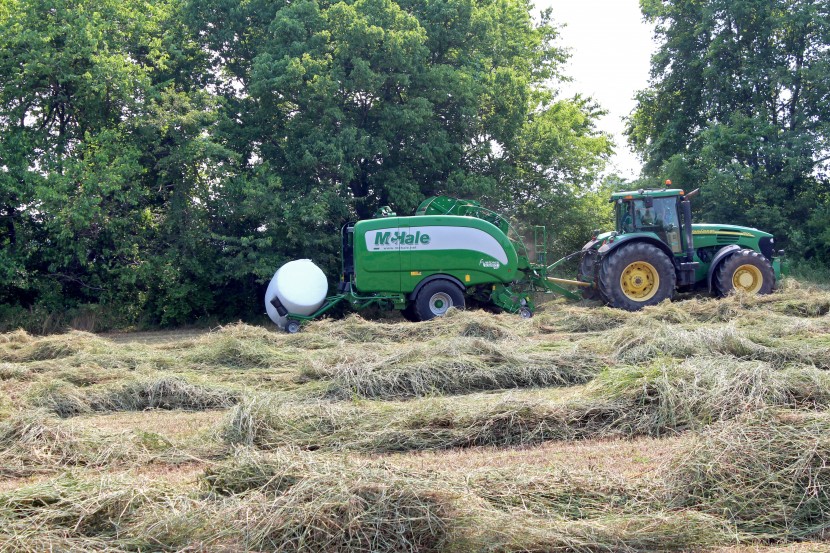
(472, 250)
(377, 271)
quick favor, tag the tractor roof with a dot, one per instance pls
(642, 193)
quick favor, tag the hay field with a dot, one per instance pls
(699, 425)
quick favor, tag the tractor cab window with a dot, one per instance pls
(636, 215)
(657, 215)
(625, 221)
(645, 217)
(668, 222)
(665, 213)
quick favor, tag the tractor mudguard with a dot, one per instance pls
(608, 247)
(720, 256)
(590, 245)
(430, 278)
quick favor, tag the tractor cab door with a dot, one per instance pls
(655, 215)
(667, 222)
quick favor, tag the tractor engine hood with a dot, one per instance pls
(702, 229)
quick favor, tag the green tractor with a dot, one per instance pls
(655, 249)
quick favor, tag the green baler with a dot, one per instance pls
(451, 253)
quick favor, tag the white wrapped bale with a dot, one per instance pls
(301, 288)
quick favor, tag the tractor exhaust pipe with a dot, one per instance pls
(687, 224)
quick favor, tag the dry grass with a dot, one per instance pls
(768, 473)
(66, 400)
(698, 425)
(451, 366)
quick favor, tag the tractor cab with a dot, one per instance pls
(657, 212)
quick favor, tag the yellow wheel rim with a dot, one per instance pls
(640, 281)
(747, 278)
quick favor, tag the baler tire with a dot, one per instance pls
(745, 263)
(436, 297)
(408, 313)
(636, 262)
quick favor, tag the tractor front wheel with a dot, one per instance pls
(745, 270)
(636, 275)
(436, 297)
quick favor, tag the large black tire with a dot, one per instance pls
(636, 275)
(436, 297)
(586, 273)
(746, 270)
(409, 313)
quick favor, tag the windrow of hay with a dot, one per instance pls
(439, 423)
(472, 323)
(20, 347)
(564, 495)
(32, 443)
(665, 396)
(242, 346)
(644, 343)
(312, 504)
(672, 530)
(493, 510)
(668, 395)
(768, 473)
(451, 366)
(569, 318)
(330, 507)
(66, 400)
(793, 300)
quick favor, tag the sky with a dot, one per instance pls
(611, 50)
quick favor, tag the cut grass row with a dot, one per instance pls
(762, 476)
(345, 436)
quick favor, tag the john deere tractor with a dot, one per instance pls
(655, 250)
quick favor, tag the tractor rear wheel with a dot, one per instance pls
(745, 270)
(636, 275)
(436, 297)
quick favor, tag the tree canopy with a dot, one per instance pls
(738, 104)
(163, 158)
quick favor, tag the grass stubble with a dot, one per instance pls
(389, 436)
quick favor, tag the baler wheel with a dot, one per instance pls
(409, 313)
(745, 270)
(636, 275)
(436, 297)
(292, 326)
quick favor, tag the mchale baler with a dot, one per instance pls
(456, 253)
(451, 253)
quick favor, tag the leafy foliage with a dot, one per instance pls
(738, 102)
(164, 158)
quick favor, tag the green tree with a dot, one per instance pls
(164, 158)
(738, 102)
(370, 102)
(103, 157)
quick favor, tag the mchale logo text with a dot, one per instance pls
(400, 238)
